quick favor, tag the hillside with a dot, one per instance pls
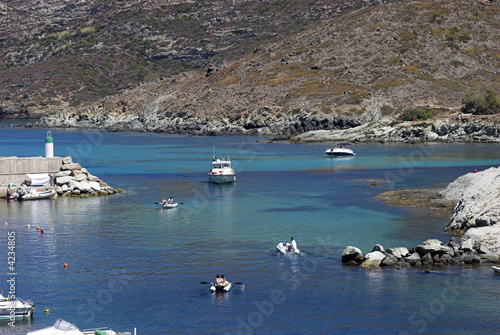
(61, 55)
(342, 68)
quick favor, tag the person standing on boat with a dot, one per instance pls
(9, 192)
(293, 244)
(170, 200)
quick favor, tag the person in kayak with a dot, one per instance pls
(170, 201)
(293, 245)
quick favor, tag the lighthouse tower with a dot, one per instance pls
(49, 145)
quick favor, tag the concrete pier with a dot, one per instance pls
(14, 169)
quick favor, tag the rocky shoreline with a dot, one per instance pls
(298, 127)
(475, 221)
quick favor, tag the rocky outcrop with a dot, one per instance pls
(73, 180)
(456, 129)
(457, 251)
(477, 213)
(261, 122)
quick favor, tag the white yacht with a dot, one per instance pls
(16, 308)
(221, 171)
(342, 149)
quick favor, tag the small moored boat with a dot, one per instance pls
(34, 194)
(496, 269)
(221, 171)
(21, 308)
(342, 149)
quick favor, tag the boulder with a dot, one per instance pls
(63, 180)
(413, 259)
(467, 244)
(350, 254)
(93, 178)
(84, 187)
(59, 190)
(76, 191)
(455, 242)
(433, 249)
(472, 259)
(67, 160)
(399, 253)
(95, 186)
(427, 259)
(432, 242)
(378, 247)
(373, 259)
(64, 188)
(79, 176)
(446, 258)
(389, 260)
(490, 258)
(71, 166)
(62, 173)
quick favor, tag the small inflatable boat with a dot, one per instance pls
(286, 248)
(170, 205)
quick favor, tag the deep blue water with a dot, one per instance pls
(132, 264)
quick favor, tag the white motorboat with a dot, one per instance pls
(221, 171)
(167, 205)
(342, 149)
(221, 288)
(286, 248)
(62, 327)
(496, 269)
(16, 308)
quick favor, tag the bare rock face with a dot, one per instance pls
(477, 213)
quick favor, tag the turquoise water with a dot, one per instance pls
(132, 264)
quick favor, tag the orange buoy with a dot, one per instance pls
(41, 231)
(65, 265)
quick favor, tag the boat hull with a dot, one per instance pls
(221, 178)
(20, 309)
(167, 206)
(221, 289)
(496, 269)
(284, 249)
(38, 196)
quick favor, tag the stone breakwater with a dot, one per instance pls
(475, 221)
(74, 180)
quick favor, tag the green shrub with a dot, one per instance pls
(417, 113)
(489, 104)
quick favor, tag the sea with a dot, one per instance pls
(133, 266)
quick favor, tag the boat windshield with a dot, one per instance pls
(64, 325)
(217, 166)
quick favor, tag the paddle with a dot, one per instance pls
(205, 282)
